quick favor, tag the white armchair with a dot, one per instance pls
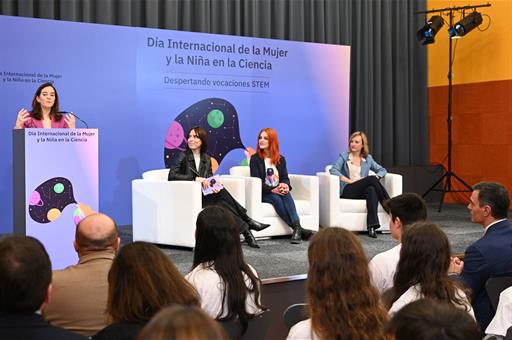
(305, 196)
(165, 212)
(351, 213)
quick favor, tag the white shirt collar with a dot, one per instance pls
(493, 223)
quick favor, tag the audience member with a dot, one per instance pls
(422, 270)
(142, 281)
(79, 294)
(403, 210)
(491, 255)
(182, 323)
(429, 319)
(229, 288)
(343, 304)
(25, 285)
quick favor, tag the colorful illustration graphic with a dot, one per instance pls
(218, 117)
(49, 199)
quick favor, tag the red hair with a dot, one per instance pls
(273, 146)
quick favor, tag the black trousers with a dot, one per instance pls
(370, 189)
(224, 199)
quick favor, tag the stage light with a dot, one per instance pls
(429, 31)
(466, 25)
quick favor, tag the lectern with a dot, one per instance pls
(55, 184)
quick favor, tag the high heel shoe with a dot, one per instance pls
(255, 225)
(249, 238)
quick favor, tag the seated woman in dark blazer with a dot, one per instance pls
(194, 164)
(270, 167)
(353, 167)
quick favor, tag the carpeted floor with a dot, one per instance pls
(278, 258)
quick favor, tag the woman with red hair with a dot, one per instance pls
(270, 167)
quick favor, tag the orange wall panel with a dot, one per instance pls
(481, 132)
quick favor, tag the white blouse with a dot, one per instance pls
(414, 294)
(210, 287)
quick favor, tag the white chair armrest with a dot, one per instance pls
(303, 187)
(159, 174)
(165, 212)
(329, 197)
(393, 184)
(235, 186)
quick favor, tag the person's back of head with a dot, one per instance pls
(424, 260)
(217, 238)
(218, 245)
(343, 302)
(143, 280)
(494, 195)
(409, 207)
(96, 232)
(182, 323)
(25, 274)
(429, 319)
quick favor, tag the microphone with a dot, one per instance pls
(80, 119)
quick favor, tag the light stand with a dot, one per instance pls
(449, 174)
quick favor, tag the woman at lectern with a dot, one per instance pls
(270, 166)
(45, 111)
(194, 164)
(353, 167)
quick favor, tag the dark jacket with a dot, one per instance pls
(258, 170)
(488, 257)
(32, 326)
(185, 167)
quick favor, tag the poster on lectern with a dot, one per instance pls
(59, 170)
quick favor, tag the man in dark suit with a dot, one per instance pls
(491, 255)
(25, 285)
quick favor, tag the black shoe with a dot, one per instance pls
(256, 226)
(371, 232)
(249, 238)
(296, 236)
(306, 234)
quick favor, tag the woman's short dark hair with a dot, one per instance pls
(143, 280)
(203, 136)
(37, 112)
(429, 319)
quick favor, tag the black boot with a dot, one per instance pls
(255, 225)
(297, 234)
(249, 238)
(371, 231)
(304, 233)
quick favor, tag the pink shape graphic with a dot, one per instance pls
(35, 199)
(175, 136)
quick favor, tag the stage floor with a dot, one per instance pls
(278, 258)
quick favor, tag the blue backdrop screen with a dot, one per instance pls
(144, 88)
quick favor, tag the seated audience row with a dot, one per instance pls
(141, 280)
(342, 301)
